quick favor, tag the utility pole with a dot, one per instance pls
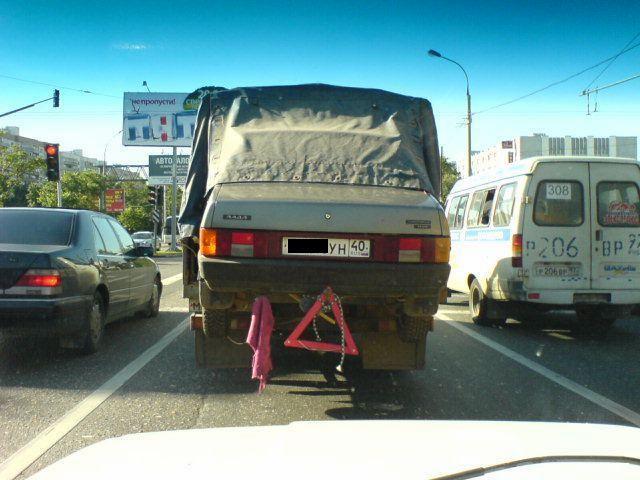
(59, 193)
(174, 199)
(164, 211)
(441, 169)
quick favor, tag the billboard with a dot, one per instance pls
(114, 200)
(160, 168)
(161, 119)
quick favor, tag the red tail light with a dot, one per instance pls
(40, 279)
(220, 242)
(424, 249)
(516, 251)
(228, 243)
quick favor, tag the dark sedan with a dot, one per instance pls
(67, 273)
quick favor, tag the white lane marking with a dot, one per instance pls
(600, 400)
(171, 279)
(28, 454)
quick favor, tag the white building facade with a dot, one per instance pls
(539, 144)
(71, 161)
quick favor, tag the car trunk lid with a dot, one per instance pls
(325, 208)
(15, 260)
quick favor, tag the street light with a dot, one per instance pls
(436, 54)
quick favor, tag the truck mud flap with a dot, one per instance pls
(221, 353)
(385, 351)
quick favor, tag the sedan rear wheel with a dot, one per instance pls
(94, 325)
(153, 307)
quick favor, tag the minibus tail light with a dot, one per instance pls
(516, 251)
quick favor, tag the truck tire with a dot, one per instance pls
(478, 307)
(413, 329)
(215, 323)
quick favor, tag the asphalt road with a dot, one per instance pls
(517, 372)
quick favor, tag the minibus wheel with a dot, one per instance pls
(478, 306)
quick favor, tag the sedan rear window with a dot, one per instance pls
(559, 203)
(35, 227)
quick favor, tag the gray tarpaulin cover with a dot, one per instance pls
(309, 133)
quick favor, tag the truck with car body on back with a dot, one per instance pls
(292, 189)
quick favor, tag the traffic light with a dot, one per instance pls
(152, 195)
(53, 161)
(160, 195)
(56, 98)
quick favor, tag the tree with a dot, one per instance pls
(135, 218)
(450, 176)
(79, 190)
(18, 169)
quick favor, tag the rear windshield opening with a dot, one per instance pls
(618, 204)
(559, 203)
(35, 227)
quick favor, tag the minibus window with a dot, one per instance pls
(480, 210)
(559, 203)
(451, 213)
(504, 205)
(462, 206)
(618, 204)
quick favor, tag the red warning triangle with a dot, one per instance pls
(327, 297)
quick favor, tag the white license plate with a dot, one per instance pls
(326, 247)
(556, 270)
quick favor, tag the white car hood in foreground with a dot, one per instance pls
(353, 450)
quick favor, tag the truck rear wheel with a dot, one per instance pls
(413, 329)
(215, 323)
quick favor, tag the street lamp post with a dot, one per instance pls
(436, 54)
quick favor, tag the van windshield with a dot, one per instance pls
(559, 203)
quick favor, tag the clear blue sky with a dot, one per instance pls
(508, 48)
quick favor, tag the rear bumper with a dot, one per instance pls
(57, 316)
(570, 297)
(265, 276)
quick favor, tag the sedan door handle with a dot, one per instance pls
(598, 235)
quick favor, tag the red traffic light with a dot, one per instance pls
(51, 149)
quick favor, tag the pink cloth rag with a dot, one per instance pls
(259, 338)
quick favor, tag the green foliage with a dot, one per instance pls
(170, 198)
(79, 190)
(450, 176)
(18, 169)
(135, 218)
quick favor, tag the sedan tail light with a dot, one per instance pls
(40, 278)
(218, 242)
(221, 242)
(424, 249)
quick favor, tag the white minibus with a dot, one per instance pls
(548, 233)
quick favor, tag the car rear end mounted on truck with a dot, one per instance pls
(292, 190)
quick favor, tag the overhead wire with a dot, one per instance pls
(611, 61)
(558, 82)
(61, 87)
